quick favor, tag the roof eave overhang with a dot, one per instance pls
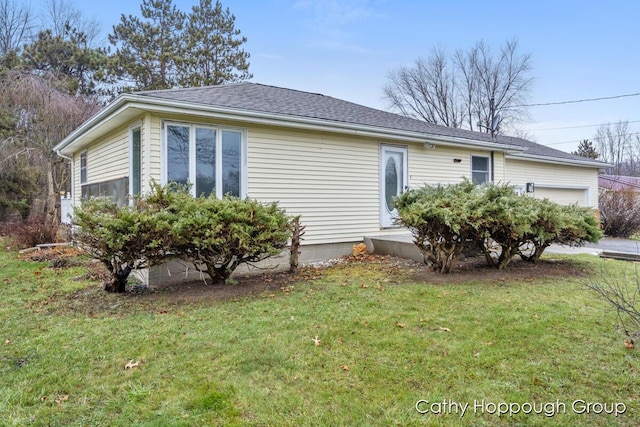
(558, 160)
(140, 103)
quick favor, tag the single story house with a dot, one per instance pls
(335, 163)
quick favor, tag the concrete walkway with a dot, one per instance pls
(402, 245)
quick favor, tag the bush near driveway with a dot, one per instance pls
(445, 218)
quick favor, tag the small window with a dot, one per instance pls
(480, 169)
(83, 167)
(136, 163)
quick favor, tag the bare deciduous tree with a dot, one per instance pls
(614, 142)
(45, 115)
(60, 15)
(466, 90)
(15, 26)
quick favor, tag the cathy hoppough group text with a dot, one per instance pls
(548, 409)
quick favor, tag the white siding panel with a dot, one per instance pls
(154, 154)
(446, 165)
(331, 181)
(109, 158)
(545, 175)
(564, 196)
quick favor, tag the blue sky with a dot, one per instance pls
(345, 48)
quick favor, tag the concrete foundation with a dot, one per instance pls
(400, 245)
(176, 270)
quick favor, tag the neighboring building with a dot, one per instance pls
(619, 182)
(335, 163)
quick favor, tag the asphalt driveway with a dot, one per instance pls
(609, 244)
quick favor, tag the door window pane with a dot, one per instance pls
(391, 181)
(178, 154)
(205, 161)
(231, 162)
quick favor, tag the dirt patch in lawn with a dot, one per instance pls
(94, 300)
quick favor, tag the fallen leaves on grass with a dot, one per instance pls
(443, 329)
(400, 325)
(629, 344)
(131, 364)
(344, 367)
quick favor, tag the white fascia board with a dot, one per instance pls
(110, 111)
(558, 160)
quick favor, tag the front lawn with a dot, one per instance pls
(358, 343)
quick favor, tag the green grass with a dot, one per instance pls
(387, 340)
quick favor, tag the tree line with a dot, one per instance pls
(55, 74)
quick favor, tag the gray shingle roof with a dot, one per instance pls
(539, 149)
(254, 97)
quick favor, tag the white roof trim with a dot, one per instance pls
(558, 160)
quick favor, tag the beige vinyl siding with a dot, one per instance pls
(154, 148)
(564, 196)
(437, 165)
(77, 189)
(330, 180)
(109, 158)
(554, 176)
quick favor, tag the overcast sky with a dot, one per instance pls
(345, 48)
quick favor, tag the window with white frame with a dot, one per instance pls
(83, 167)
(135, 180)
(209, 158)
(480, 169)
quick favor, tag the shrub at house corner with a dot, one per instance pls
(216, 235)
(122, 238)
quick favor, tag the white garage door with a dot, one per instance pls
(563, 196)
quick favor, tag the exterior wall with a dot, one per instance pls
(437, 165)
(107, 159)
(152, 144)
(552, 176)
(331, 180)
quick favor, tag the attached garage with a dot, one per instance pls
(563, 195)
(560, 177)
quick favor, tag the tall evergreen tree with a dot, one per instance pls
(213, 53)
(587, 149)
(69, 57)
(149, 49)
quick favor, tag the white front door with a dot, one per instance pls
(394, 178)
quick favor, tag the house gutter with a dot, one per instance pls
(165, 106)
(558, 160)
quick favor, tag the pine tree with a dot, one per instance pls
(213, 53)
(149, 49)
(586, 149)
(68, 57)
